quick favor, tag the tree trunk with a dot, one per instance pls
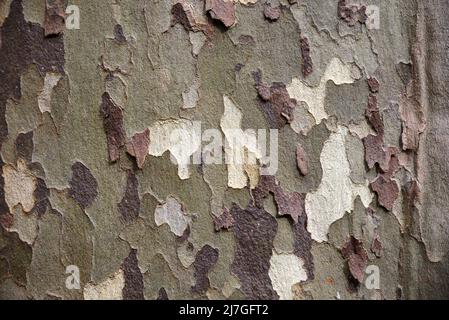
(122, 123)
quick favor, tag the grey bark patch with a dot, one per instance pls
(83, 185)
(129, 207)
(254, 232)
(133, 289)
(205, 259)
(347, 102)
(113, 125)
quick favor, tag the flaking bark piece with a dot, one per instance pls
(291, 203)
(138, 146)
(54, 23)
(275, 102)
(356, 257)
(301, 160)
(222, 10)
(307, 63)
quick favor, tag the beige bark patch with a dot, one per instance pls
(19, 186)
(26, 225)
(285, 271)
(4, 10)
(240, 149)
(181, 137)
(336, 192)
(314, 97)
(172, 214)
(44, 98)
(110, 289)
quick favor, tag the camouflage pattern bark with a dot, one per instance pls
(356, 91)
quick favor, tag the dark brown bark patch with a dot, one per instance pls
(119, 36)
(224, 221)
(254, 232)
(307, 63)
(275, 102)
(272, 13)
(133, 289)
(373, 85)
(23, 43)
(387, 191)
(54, 23)
(138, 146)
(302, 244)
(41, 194)
(162, 294)
(129, 207)
(291, 204)
(113, 126)
(25, 146)
(83, 185)
(351, 13)
(205, 259)
(356, 257)
(222, 10)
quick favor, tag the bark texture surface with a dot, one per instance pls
(87, 179)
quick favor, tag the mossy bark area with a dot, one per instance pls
(356, 206)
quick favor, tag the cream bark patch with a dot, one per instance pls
(241, 148)
(336, 192)
(110, 289)
(181, 137)
(19, 186)
(285, 271)
(44, 98)
(336, 71)
(172, 214)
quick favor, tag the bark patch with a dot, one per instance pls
(254, 231)
(83, 185)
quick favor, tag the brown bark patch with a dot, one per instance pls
(133, 289)
(138, 146)
(254, 232)
(83, 185)
(205, 259)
